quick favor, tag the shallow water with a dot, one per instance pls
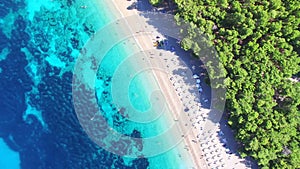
(9, 158)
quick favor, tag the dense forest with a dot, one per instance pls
(258, 42)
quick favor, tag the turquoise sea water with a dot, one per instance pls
(140, 89)
(141, 86)
(42, 42)
(9, 158)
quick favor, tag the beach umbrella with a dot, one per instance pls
(197, 85)
(178, 89)
(198, 81)
(200, 89)
(195, 76)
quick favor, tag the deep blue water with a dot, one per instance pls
(37, 118)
